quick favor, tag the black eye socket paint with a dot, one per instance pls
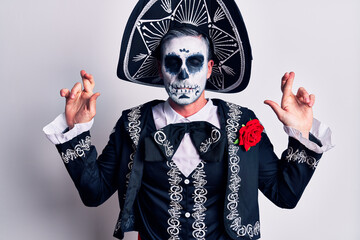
(172, 64)
(195, 63)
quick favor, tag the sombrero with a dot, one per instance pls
(220, 20)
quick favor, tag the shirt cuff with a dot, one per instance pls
(57, 133)
(319, 131)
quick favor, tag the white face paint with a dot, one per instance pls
(184, 68)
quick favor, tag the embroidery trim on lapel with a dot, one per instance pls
(134, 130)
(232, 127)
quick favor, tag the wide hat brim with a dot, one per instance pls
(220, 20)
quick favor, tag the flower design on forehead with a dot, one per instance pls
(184, 50)
(219, 20)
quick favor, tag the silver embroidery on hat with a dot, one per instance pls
(193, 12)
(166, 5)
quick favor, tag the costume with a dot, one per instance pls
(120, 167)
(214, 195)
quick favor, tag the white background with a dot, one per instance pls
(44, 45)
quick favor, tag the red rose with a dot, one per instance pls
(250, 134)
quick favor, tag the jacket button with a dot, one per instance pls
(186, 181)
(187, 215)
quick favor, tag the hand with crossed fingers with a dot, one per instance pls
(295, 110)
(80, 103)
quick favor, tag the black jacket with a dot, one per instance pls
(119, 168)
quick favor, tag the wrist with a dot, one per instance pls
(305, 134)
(71, 125)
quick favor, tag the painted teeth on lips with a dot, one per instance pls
(174, 89)
(184, 87)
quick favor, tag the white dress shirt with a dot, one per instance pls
(186, 156)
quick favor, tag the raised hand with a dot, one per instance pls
(296, 110)
(80, 103)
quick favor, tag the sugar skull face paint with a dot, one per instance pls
(184, 68)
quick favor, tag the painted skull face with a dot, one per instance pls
(184, 68)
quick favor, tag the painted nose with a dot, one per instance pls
(183, 74)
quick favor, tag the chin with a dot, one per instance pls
(184, 100)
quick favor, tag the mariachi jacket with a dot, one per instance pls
(120, 168)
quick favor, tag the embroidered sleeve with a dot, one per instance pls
(80, 150)
(284, 180)
(301, 157)
(98, 177)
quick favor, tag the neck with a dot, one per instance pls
(190, 109)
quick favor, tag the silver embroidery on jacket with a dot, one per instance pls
(301, 157)
(232, 127)
(160, 138)
(200, 199)
(243, 230)
(215, 136)
(176, 197)
(78, 151)
(134, 130)
(134, 124)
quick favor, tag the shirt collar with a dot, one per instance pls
(172, 116)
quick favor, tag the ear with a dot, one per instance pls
(210, 66)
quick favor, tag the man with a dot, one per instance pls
(177, 165)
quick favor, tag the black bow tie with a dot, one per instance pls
(209, 141)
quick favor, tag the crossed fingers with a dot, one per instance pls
(302, 95)
(88, 82)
